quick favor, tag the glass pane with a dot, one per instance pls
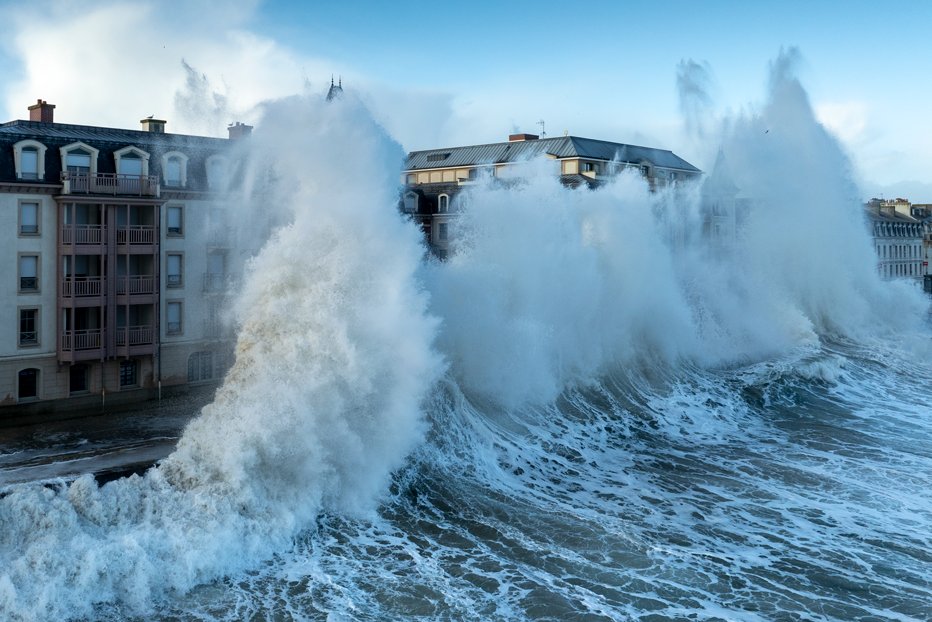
(78, 162)
(28, 266)
(29, 217)
(130, 165)
(29, 163)
(173, 172)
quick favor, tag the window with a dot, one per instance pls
(28, 218)
(200, 366)
(128, 373)
(28, 327)
(410, 201)
(131, 164)
(131, 161)
(216, 278)
(442, 231)
(173, 318)
(175, 220)
(28, 273)
(28, 384)
(443, 204)
(217, 172)
(78, 161)
(77, 378)
(29, 159)
(173, 172)
(173, 270)
(175, 169)
(29, 163)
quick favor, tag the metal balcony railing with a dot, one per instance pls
(136, 234)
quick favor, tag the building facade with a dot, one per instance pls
(120, 264)
(898, 239)
(433, 178)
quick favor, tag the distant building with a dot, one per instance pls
(898, 238)
(119, 259)
(433, 178)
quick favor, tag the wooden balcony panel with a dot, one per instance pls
(136, 285)
(82, 234)
(81, 287)
(136, 234)
(110, 184)
(135, 335)
(75, 340)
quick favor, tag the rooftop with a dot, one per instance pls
(559, 147)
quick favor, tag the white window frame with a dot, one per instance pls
(74, 147)
(168, 328)
(179, 282)
(20, 225)
(214, 160)
(443, 204)
(180, 232)
(183, 183)
(19, 327)
(19, 273)
(40, 154)
(119, 154)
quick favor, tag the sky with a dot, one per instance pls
(440, 74)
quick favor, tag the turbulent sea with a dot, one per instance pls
(593, 410)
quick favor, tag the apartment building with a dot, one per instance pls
(433, 178)
(119, 261)
(898, 238)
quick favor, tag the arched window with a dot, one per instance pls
(79, 158)
(443, 203)
(410, 201)
(131, 161)
(217, 172)
(29, 159)
(175, 169)
(28, 384)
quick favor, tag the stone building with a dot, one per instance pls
(119, 263)
(898, 238)
(434, 178)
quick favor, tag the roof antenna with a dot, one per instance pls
(542, 132)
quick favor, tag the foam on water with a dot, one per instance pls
(322, 403)
(632, 422)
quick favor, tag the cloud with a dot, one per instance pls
(113, 63)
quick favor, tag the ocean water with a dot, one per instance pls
(589, 412)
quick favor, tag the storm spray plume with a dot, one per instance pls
(199, 105)
(321, 405)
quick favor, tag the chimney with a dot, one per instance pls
(156, 126)
(517, 138)
(239, 130)
(42, 111)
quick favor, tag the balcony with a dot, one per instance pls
(82, 234)
(135, 285)
(75, 340)
(135, 335)
(136, 234)
(81, 286)
(110, 183)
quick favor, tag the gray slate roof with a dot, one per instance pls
(560, 147)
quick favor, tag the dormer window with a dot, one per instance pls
(175, 169)
(79, 158)
(217, 168)
(443, 204)
(29, 163)
(131, 161)
(410, 200)
(29, 158)
(78, 161)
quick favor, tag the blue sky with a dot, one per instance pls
(440, 74)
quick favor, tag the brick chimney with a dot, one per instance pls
(42, 111)
(239, 130)
(156, 126)
(517, 138)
